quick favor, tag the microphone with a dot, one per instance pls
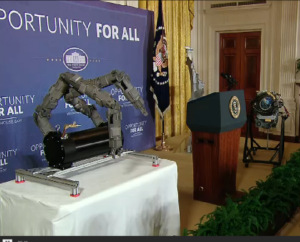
(225, 76)
(231, 81)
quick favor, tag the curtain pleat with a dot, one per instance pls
(178, 20)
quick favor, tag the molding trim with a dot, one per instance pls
(265, 6)
(213, 48)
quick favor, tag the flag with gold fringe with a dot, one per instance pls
(160, 74)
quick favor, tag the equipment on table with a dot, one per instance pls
(62, 152)
(71, 86)
(50, 176)
(68, 151)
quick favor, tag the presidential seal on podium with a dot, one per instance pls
(235, 107)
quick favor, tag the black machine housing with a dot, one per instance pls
(265, 111)
(266, 107)
(62, 152)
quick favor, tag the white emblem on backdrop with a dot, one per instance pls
(75, 59)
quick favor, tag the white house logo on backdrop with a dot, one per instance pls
(75, 59)
(118, 95)
(136, 129)
(71, 110)
(5, 157)
(11, 108)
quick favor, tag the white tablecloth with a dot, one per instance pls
(128, 197)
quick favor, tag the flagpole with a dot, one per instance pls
(160, 75)
(163, 146)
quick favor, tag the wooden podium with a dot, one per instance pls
(216, 121)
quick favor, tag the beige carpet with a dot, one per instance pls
(191, 211)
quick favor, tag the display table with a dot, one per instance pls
(127, 197)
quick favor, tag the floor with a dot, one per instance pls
(191, 211)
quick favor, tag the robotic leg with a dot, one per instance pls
(114, 116)
(43, 112)
(131, 94)
(80, 105)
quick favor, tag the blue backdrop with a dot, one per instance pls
(40, 40)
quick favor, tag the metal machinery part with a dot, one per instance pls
(266, 107)
(71, 86)
(196, 84)
(265, 112)
(50, 176)
(67, 152)
(260, 121)
(62, 152)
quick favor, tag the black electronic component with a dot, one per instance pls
(267, 103)
(63, 152)
(265, 112)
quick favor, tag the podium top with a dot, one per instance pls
(217, 112)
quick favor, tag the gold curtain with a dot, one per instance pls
(178, 20)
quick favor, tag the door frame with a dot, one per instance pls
(218, 48)
(215, 32)
(214, 49)
(242, 38)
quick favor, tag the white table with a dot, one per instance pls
(128, 197)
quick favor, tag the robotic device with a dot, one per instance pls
(266, 107)
(265, 112)
(196, 84)
(66, 152)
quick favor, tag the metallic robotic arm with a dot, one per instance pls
(196, 84)
(122, 81)
(72, 98)
(71, 86)
(43, 112)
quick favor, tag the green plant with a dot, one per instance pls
(256, 210)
